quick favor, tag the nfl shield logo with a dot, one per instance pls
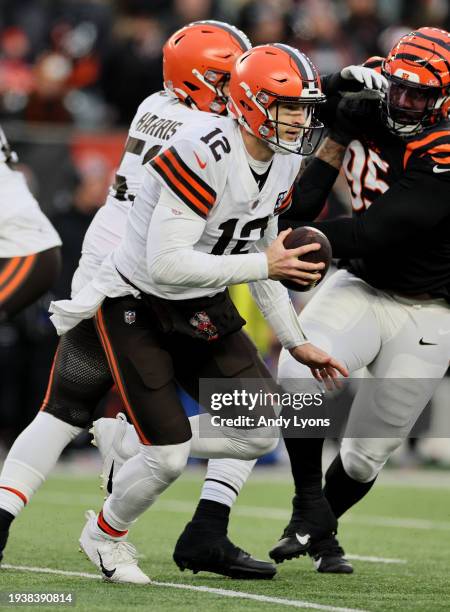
(129, 316)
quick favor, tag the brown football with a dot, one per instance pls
(306, 235)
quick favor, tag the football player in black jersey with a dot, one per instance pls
(388, 307)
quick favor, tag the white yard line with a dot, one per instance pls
(293, 603)
(376, 559)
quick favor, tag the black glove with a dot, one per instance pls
(353, 114)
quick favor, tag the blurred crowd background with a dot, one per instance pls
(72, 73)
(90, 62)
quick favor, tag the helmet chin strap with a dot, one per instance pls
(280, 149)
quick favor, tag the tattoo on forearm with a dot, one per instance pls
(331, 152)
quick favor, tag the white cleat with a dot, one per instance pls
(116, 559)
(108, 436)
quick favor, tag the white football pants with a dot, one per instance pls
(396, 338)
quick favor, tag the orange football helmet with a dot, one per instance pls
(271, 74)
(197, 61)
(418, 72)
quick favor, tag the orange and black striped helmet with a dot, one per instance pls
(278, 74)
(418, 72)
(197, 61)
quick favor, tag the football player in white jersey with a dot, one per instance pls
(203, 219)
(197, 64)
(204, 544)
(30, 258)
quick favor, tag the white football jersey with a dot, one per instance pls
(24, 229)
(156, 121)
(205, 168)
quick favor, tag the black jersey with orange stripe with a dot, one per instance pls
(411, 253)
(399, 235)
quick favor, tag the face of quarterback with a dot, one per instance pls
(289, 122)
(291, 119)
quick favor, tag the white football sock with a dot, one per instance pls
(31, 458)
(141, 480)
(224, 479)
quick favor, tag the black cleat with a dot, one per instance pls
(328, 557)
(201, 551)
(294, 543)
(312, 520)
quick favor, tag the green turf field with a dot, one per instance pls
(409, 524)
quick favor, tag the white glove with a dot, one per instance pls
(368, 77)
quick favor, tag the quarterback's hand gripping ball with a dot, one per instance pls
(307, 235)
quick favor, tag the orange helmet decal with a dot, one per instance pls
(197, 61)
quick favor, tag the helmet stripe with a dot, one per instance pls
(306, 69)
(437, 41)
(417, 59)
(437, 53)
(242, 39)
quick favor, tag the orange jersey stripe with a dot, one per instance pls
(100, 323)
(18, 278)
(50, 381)
(420, 143)
(441, 160)
(187, 194)
(284, 205)
(440, 148)
(16, 492)
(189, 178)
(9, 269)
(286, 201)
